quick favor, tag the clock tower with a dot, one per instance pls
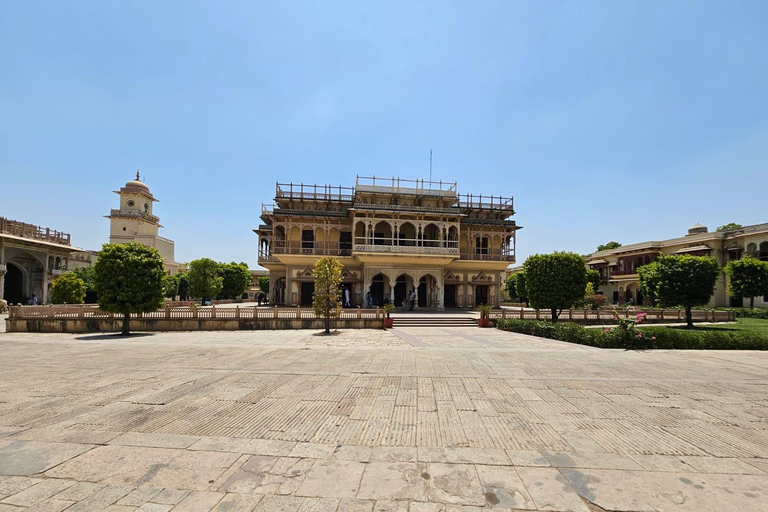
(135, 222)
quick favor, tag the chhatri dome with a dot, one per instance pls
(137, 183)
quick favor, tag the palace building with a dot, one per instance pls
(618, 267)
(392, 236)
(31, 257)
(134, 222)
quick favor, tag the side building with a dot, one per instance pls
(393, 236)
(618, 267)
(31, 257)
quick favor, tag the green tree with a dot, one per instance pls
(608, 246)
(68, 289)
(747, 277)
(204, 279)
(510, 286)
(593, 277)
(129, 279)
(326, 299)
(170, 286)
(88, 275)
(235, 279)
(730, 226)
(555, 281)
(264, 284)
(685, 281)
(520, 286)
(516, 285)
(183, 278)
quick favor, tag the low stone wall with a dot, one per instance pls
(78, 325)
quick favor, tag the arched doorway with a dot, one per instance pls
(401, 289)
(13, 290)
(378, 288)
(427, 293)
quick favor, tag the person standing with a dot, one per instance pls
(413, 299)
(346, 298)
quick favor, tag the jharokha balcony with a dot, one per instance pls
(382, 245)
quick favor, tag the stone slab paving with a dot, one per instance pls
(408, 420)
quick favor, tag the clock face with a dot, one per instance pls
(130, 202)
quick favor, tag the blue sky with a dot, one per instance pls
(606, 121)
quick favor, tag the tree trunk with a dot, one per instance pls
(688, 316)
(751, 303)
(554, 314)
(126, 324)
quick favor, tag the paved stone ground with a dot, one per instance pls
(408, 420)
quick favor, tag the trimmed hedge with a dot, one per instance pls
(751, 313)
(652, 338)
(761, 313)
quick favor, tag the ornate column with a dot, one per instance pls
(392, 284)
(440, 282)
(3, 269)
(288, 299)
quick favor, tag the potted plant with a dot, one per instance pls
(484, 310)
(389, 322)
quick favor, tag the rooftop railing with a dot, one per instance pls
(24, 230)
(481, 202)
(403, 186)
(313, 192)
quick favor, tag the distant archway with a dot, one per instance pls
(13, 289)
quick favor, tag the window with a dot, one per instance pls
(481, 245)
(130, 203)
(307, 241)
(764, 251)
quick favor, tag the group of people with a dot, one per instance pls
(409, 302)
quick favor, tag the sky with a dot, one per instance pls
(605, 120)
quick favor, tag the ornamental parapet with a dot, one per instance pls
(134, 214)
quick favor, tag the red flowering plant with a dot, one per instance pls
(626, 332)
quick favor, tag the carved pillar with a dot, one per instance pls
(392, 284)
(440, 283)
(288, 299)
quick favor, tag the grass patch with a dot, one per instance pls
(751, 325)
(746, 334)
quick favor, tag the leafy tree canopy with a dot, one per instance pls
(264, 284)
(730, 226)
(593, 276)
(747, 277)
(204, 279)
(608, 246)
(183, 278)
(235, 279)
(170, 286)
(555, 281)
(326, 300)
(685, 281)
(68, 289)
(88, 275)
(129, 279)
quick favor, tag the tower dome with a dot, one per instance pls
(697, 229)
(137, 183)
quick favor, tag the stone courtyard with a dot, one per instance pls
(407, 420)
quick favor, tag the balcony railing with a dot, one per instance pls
(489, 255)
(383, 245)
(310, 248)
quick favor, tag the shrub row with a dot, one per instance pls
(652, 337)
(751, 313)
(761, 313)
